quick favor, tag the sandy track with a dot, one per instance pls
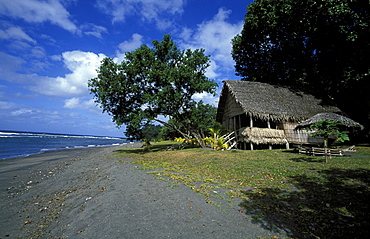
(89, 193)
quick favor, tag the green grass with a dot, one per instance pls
(278, 187)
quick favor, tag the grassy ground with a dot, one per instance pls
(279, 188)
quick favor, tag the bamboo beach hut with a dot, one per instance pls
(264, 115)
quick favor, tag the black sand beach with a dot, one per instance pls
(88, 193)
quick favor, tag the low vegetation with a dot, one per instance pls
(278, 187)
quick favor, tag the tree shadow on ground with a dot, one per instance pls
(333, 204)
(303, 157)
(307, 159)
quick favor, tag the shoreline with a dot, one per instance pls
(61, 149)
(91, 193)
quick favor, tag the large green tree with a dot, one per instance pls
(153, 82)
(322, 47)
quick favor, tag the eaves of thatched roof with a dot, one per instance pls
(269, 102)
(332, 117)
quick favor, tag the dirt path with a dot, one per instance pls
(89, 193)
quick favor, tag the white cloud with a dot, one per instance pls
(15, 33)
(21, 112)
(206, 98)
(77, 103)
(6, 105)
(211, 71)
(71, 103)
(38, 52)
(215, 37)
(149, 10)
(83, 67)
(56, 57)
(34, 11)
(129, 45)
(10, 68)
(94, 30)
(132, 44)
(33, 118)
(9, 63)
(13, 110)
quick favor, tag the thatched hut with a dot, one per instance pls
(332, 117)
(263, 115)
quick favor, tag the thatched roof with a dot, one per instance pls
(329, 116)
(276, 103)
(263, 135)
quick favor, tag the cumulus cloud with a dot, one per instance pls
(215, 37)
(149, 10)
(77, 103)
(34, 11)
(206, 98)
(130, 45)
(82, 66)
(16, 33)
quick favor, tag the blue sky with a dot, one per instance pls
(49, 49)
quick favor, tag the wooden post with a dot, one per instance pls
(269, 126)
(251, 125)
(240, 123)
(234, 123)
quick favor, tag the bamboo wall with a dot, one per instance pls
(299, 136)
(231, 109)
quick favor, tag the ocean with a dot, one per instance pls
(19, 144)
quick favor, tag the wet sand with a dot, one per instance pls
(89, 193)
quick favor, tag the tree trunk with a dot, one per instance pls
(185, 135)
(199, 139)
(326, 149)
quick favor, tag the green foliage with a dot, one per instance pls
(191, 142)
(169, 133)
(322, 47)
(216, 141)
(326, 128)
(193, 124)
(150, 82)
(151, 131)
(179, 139)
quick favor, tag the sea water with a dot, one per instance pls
(19, 144)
